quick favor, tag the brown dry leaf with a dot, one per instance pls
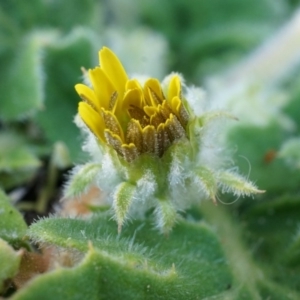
(81, 205)
(32, 264)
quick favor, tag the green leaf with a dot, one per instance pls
(62, 64)
(123, 198)
(12, 225)
(204, 48)
(236, 184)
(16, 18)
(15, 155)
(139, 264)
(272, 230)
(256, 279)
(166, 215)
(83, 177)
(92, 279)
(9, 262)
(207, 181)
(23, 80)
(18, 163)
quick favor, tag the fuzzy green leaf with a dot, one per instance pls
(207, 181)
(123, 197)
(166, 215)
(83, 177)
(23, 81)
(92, 279)
(238, 185)
(139, 264)
(12, 225)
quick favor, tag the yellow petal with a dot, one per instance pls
(133, 84)
(103, 87)
(88, 95)
(113, 68)
(150, 110)
(92, 119)
(112, 123)
(153, 92)
(175, 104)
(132, 98)
(174, 88)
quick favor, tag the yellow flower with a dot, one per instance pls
(131, 118)
(136, 122)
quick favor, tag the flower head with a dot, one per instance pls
(131, 118)
(153, 154)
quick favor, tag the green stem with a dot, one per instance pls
(243, 268)
(49, 189)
